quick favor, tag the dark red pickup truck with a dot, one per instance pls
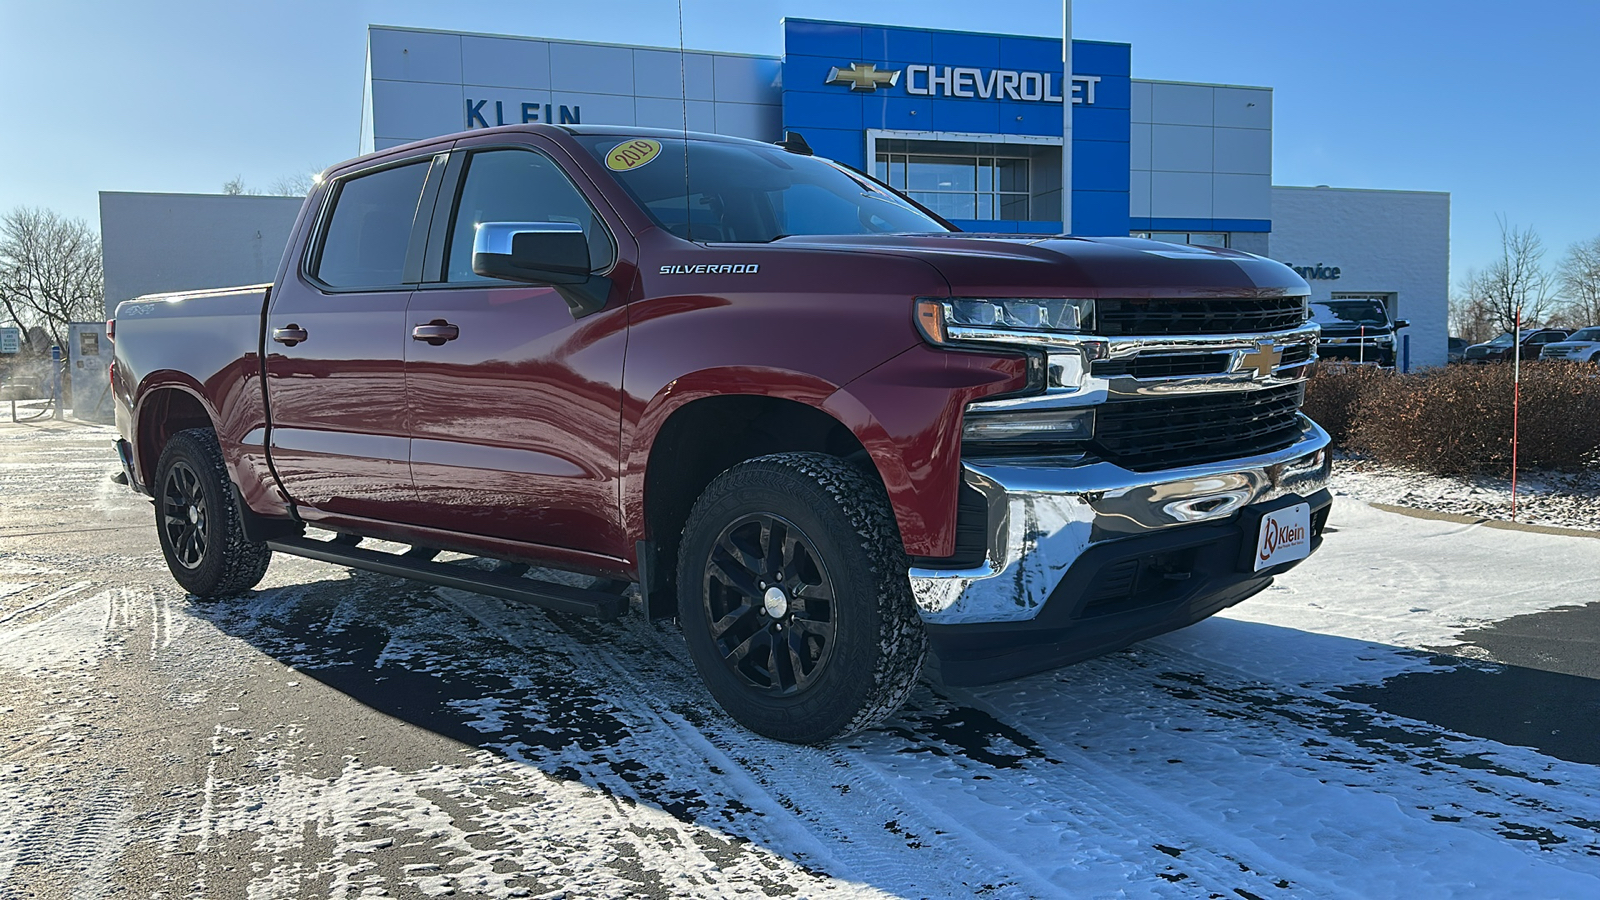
(812, 422)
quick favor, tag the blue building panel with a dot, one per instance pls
(897, 44)
(955, 48)
(848, 147)
(1092, 124)
(803, 111)
(968, 118)
(1099, 212)
(1099, 166)
(809, 37)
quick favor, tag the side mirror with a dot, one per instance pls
(552, 253)
(1401, 323)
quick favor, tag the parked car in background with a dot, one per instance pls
(1501, 348)
(1457, 350)
(1582, 345)
(1357, 329)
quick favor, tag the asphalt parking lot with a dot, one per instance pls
(1414, 712)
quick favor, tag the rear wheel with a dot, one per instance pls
(198, 520)
(794, 598)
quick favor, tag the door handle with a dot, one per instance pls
(289, 335)
(436, 332)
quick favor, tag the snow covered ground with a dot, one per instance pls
(343, 734)
(1564, 500)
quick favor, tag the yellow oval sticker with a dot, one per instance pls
(632, 154)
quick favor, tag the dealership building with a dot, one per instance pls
(968, 124)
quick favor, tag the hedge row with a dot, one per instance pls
(1457, 421)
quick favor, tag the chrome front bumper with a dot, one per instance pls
(1042, 517)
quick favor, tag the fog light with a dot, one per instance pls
(1021, 427)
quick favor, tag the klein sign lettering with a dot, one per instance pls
(965, 82)
(478, 116)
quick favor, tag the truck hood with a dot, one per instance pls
(998, 265)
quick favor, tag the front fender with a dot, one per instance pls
(720, 381)
(907, 414)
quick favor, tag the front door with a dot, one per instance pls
(335, 351)
(516, 415)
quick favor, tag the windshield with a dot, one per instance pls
(1350, 312)
(1585, 334)
(744, 193)
(1503, 340)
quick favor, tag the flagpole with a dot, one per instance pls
(1066, 116)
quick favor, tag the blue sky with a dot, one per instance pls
(1499, 104)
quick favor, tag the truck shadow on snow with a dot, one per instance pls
(618, 708)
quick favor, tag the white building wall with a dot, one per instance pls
(1200, 151)
(421, 83)
(1382, 242)
(153, 243)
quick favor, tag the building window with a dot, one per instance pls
(960, 180)
(1197, 238)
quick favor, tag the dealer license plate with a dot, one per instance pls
(1285, 536)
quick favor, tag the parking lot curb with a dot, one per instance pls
(1416, 513)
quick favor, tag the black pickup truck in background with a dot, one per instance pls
(1357, 330)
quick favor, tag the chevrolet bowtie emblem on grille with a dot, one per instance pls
(1264, 359)
(863, 77)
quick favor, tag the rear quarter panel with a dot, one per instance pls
(204, 345)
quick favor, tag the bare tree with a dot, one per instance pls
(1471, 312)
(1517, 282)
(297, 185)
(235, 187)
(50, 273)
(1579, 275)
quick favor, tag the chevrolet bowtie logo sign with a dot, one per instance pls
(1264, 359)
(863, 77)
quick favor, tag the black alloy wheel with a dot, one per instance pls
(199, 521)
(794, 597)
(183, 515)
(770, 604)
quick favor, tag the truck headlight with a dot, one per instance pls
(936, 317)
(997, 429)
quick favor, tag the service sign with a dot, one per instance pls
(1285, 536)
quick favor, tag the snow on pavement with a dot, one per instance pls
(343, 734)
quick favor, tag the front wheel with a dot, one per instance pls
(794, 598)
(198, 520)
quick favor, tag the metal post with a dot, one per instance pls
(1066, 116)
(55, 381)
(1516, 407)
(1405, 353)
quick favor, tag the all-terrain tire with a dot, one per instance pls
(198, 520)
(838, 531)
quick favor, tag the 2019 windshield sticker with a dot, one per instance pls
(633, 154)
(713, 269)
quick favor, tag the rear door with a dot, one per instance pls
(516, 419)
(335, 346)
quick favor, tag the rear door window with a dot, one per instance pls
(370, 229)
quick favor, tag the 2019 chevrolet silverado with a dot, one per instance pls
(809, 419)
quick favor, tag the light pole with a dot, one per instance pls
(1066, 116)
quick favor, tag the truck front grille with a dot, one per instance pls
(1148, 435)
(1124, 317)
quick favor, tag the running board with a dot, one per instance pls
(558, 597)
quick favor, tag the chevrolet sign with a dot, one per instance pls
(958, 81)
